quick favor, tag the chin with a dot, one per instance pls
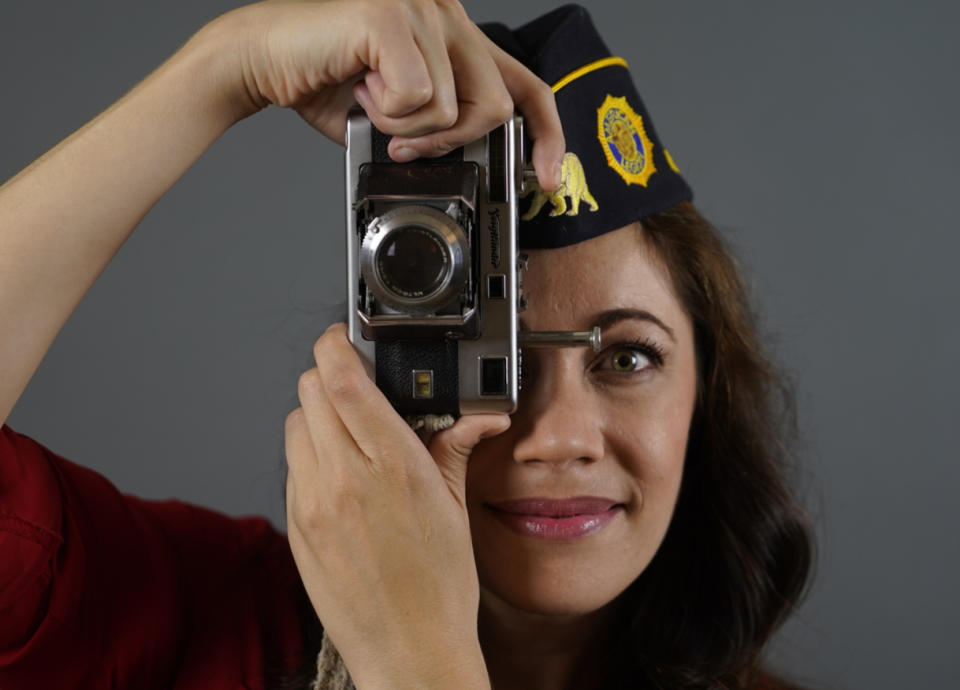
(560, 578)
(562, 604)
(553, 591)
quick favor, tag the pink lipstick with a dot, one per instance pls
(561, 519)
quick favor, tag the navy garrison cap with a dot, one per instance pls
(616, 170)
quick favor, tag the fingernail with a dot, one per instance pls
(557, 173)
(404, 154)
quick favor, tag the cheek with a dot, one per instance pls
(654, 447)
(652, 454)
(651, 440)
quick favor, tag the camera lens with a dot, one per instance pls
(412, 262)
(414, 259)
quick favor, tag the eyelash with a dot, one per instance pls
(648, 348)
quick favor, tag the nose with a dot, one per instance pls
(555, 422)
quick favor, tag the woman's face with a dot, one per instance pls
(611, 425)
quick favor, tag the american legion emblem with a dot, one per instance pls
(626, 145)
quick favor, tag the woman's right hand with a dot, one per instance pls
(420, 68)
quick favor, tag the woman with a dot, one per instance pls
(626, 527)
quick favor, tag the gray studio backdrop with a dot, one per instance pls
(821, 136)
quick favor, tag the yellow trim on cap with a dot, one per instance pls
(673, 166)
(577, 73)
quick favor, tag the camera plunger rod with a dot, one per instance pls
(560, 338)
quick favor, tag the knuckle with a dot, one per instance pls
(327, 347)
(314, 509)
(342, 385)
(421, 7)
(502, 108)
(311, 516)
(342, 504)
(447, 114)
(452, 7)
(413, 95)
(309, 382)
(320, 347)
(387, 16)
(295, 421)
(543, 91)
(439, 147)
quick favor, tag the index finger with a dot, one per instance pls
(535, 99)
(364, 411)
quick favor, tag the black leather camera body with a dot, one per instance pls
(433, 272)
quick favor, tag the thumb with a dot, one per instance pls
(451, 447)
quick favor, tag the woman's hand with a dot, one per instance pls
(379, 530)
(420, 68)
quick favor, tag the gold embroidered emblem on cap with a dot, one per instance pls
(573, 184)
(625, 143)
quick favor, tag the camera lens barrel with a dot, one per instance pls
(412, 262)
(414, 258)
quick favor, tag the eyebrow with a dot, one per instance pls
(606, 319)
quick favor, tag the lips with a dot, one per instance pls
(565, 519)
(550, 507)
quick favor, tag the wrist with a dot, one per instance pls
(216, 54)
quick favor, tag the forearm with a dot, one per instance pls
(66, 215)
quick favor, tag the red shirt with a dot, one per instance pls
(103, 590)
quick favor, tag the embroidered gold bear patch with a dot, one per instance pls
(573, 184)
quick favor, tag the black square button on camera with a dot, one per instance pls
(493, 376)
(496, 286)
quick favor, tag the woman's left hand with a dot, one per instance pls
(379, 530)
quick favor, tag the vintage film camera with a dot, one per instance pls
(434, 272)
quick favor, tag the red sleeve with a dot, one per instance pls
(99, 589)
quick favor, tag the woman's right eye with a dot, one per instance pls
(632, 357)
(629, 360)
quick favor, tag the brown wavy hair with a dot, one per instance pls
(737, 556)
(738, 553)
